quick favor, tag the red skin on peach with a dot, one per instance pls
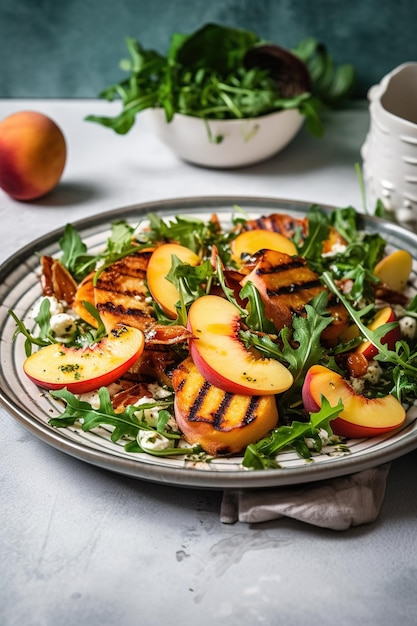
(361, 416)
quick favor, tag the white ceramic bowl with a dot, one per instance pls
(390, 150)
(243, 142)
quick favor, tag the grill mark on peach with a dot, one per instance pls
(280, 268)
(125, 292)
(219, 415)
(198, 402)
(108, 307)
(294, 288)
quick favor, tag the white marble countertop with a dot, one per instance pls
(83, 546)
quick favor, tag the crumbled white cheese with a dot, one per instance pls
(357, 384)
(55, 306)
(408, 327)
(150, 440)
(92, 396)
(150, 415)
(337, 248)
(398, 309)
(63, 326)
(374, 372)
(323, 435)
(157, 391)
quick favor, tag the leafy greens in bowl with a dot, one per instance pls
(224, 73)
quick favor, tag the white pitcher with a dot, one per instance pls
(390, 150)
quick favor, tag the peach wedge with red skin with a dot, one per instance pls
(162, 290)
(361, 416)
(385, 315)
(222, 358)
(81, 370)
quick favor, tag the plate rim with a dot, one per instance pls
(187, 476)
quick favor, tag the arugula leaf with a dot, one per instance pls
(305, 348)
(213, 47)
(262, 455)
(191, 282)
(331, 83)
(256, 319)
(318, 230)
(92, 335)
(74, 253)
(43, 337)
(126, 425)
(307, 333)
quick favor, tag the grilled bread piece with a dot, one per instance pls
(221, 423)
(121, 294)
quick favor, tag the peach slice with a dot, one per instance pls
(361, 416)
(85, 369)
(162, 290)
(384, 316)
(285, 284)
(252, 241)
(222, 358)
(85, 293)
(220, 422)
(394, 270)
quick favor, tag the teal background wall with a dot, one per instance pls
(72, 48)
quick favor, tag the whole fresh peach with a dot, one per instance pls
(32, 155)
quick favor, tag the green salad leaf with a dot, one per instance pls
(262, 455)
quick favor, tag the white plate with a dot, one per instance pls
(19, 289)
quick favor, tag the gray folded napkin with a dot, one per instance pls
(337, 503)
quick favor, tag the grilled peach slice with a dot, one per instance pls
(221, 357)
(85, 293)
(384, 316)
(121, 293)
(285, 284)
(361, 416)
(252, 241)
(162, 290)
(85, 369)
(221, 423)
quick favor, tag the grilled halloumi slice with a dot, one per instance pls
(121, 295)
(220, 422)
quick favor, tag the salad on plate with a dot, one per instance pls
(203, 339)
